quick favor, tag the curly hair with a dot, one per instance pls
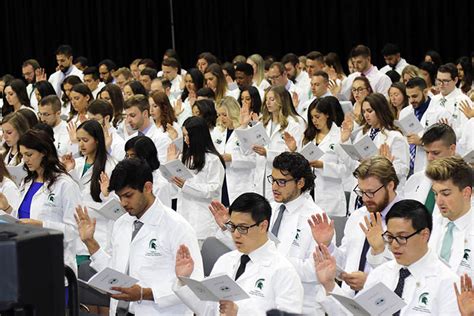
(297, 166)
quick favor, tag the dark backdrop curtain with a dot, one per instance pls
(124, 30)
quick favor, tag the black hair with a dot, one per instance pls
(431, 69)
(132, 173)
(393, 75)
(290, 58)
(229, 68)
(94, 129)
(137, 87)
(207, 111)
(92, 70)
(64, 50)
(297, 166)
(200, 143)
(29, 116)
(52, 168)
(144, 149)
(390, 49)
(109, 64)
(148, 63)
(45, 88)
(254, 204)
(116, 98)
(324, 106)
(101, 107)
(198, 80)
(256, 105)
(247, 69)
(466, 83)
(435, 57)
(439, 131)
(416, 82)
(449, 68)
(45, 128)
(81, 60)
(206, 93)
(19, 87)
(411, 210)
(150, 72)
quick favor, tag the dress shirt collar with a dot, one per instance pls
(461, 223)
(420, 268)
(388, 207)
(295, 204)
(260, 255)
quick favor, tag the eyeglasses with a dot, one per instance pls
(44, 114)
(242, 229)
(279, 182)
(441, 82)
(274, 77)
(401, 240)
(361, 193)
(358, 90)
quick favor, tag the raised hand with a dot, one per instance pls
(466, 109)
(465, 296)
(414, 139)
(289, 141)
(172, 133)
(172, 152)
(373, 231)
(184, 262)
(108, 138)
(220, 213)
(385, 151)
(325, 266)
(40, 75)
(295, 98)
(104, 182)
(444, 121)
(68, 161)
(85, 224)
(178, 107)
(322, 228)
(245, 116)
(346, 128)
(71, 129)
(334, 87)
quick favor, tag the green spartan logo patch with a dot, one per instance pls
(467, 253)
(259, 284)
(152, 244)
(424, 298)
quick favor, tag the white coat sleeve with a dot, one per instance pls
(400, 150)
(242, 161)
(289, 291)
(12, 193)
(208, 182)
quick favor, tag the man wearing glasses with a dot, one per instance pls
(256, 265)
(423, 281)
(451, 97)
(291, 179)
(377, 182)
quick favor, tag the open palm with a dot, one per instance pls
(184, 262)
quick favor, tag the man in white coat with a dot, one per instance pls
(423, 281)
(49, 113)
(377, 182)
(145, 241)
(137, 110)
(319, 89)
(257, 267)
(427, 113)
(64, 59)
(453, 232)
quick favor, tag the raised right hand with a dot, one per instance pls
(322, 228)
(325, 266)
(184, 262)
(85, 224)
(220, 213)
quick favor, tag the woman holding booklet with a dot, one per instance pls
(330, 170)
(49, 194)
(378, 124)
(207, 166)
(88, 170)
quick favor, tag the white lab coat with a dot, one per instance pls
(103, 225)
(117, 148)
(151, 257)
(417, 188)
(62, 141)
(11, 192)
(161, 141)
(274, 148)
(399, 149)
(433, 114)
(379, 82)
(460, 261)
(328, 185)
(56, 207)
(241, 170)
(398, 68)
(466, 142)
(198, 192)
(12, 161)
(269, 279)
(162, 188)
(57, 78)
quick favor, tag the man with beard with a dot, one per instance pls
(391, 55)
(427, 113)
(28, 70)
(64, 58)
(295, 74)
(106, 69)
(376, 185)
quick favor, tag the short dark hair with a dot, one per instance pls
(280, 66)
(64, 50)
(92, 70)
(411, 210)
(138, 100)
(206, 93)
(315, 55)
(290, 58)
(145, 149)
(171, 62)
(52, 100)
(245, 68)
(439, 131)
(393, 75)
(81, 60)
(297, 166)
(150, 72)
(254, 204)
(323, 74)
(164, 82)
(132, 173)
(390, 49)
(449, 68)
(33, 62)
(148, 63)
(416, 82)
(360, 50)
(109, 64)
(101, 107)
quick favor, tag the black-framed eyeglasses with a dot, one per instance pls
(401, 240)
(279, 182)
(242, 229)
(361, 193)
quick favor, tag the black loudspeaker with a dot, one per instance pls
(31, 271)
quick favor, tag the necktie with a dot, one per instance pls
(430, 201)
(140, 133)
(123, 306)
(447, 242)
(276, 225)
(443, 101)
(418, 115)
(373, 133)
(363, 255)
(243, 263)
(404, 273)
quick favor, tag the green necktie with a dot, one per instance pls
(430, 201)
(447, 242)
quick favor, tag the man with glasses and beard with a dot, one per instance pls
(376, 185)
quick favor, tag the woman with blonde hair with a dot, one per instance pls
(410, 72)
(258, 65)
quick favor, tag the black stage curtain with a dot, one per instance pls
(124, 30)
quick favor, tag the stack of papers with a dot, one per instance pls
(364, 148)
(216, 288)
(175, 168)
(255, 135)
